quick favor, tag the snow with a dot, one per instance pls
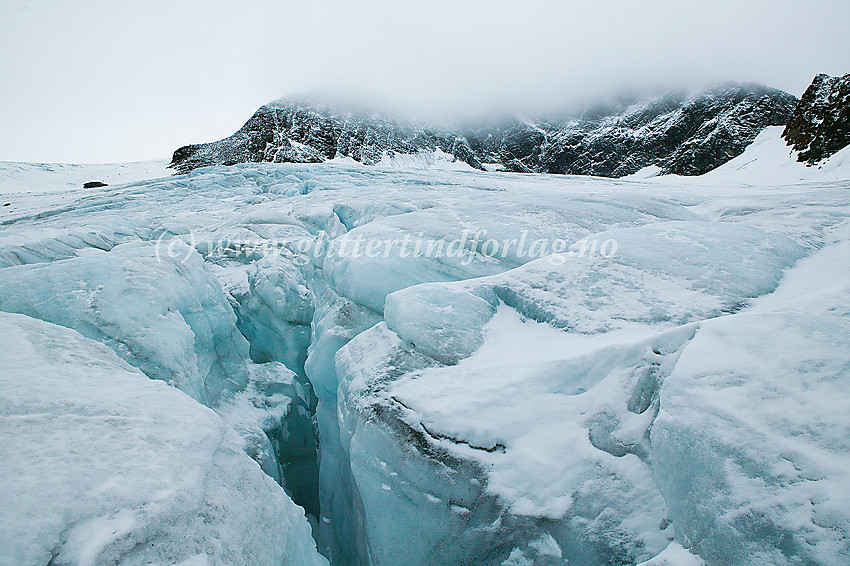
(770, 160)
(590, 370)
(436, 159)
(49, 177)
(646, 173)
(103, 465)
(752, 446)
(674, 555)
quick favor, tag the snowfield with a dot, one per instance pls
(582, 371)
(51, 177)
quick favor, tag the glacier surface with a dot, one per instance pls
(579, 371)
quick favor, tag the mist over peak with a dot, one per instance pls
(193, 70)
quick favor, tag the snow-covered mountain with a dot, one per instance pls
(683, 133)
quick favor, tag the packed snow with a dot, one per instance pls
(103, 465)
(438, 365)
(752, 447)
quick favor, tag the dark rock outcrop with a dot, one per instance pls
(94, 184)
(820, 125)
(680, 133)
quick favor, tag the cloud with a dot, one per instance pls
(97, 80)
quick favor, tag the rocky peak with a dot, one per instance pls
(294, 131)
(683, 134)
(820, 125)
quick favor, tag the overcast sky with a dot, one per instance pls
(100, 81)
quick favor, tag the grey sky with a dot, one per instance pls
(97, 81)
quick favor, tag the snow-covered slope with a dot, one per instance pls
(770, 160)
(48, 177)
(102, 465)
(498, 368)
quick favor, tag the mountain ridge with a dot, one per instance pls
(682, 133)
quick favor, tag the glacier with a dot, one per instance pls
(662, 382)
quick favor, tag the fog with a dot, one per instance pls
(98, 81)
